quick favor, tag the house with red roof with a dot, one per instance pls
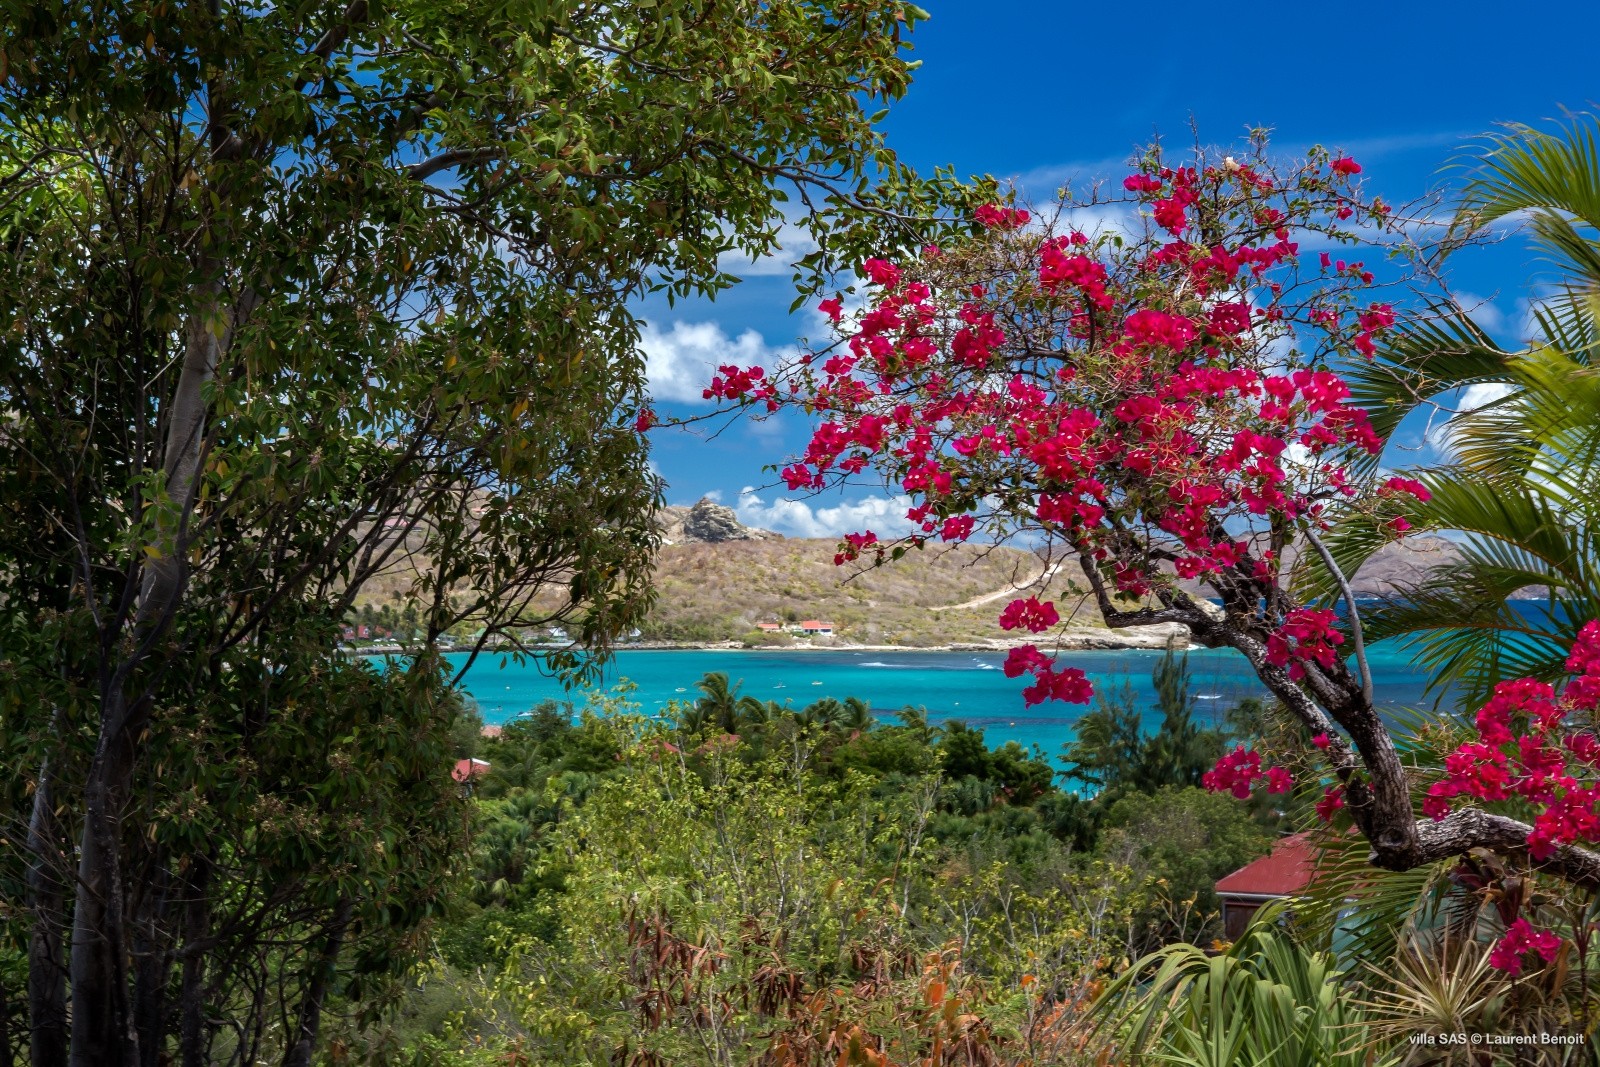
(1284, 872)
(466, 770)
(816, 627)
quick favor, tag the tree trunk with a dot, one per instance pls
(47, 972)
(310, 1021)
(103, 1032)
(192, 1043)
(152, 955)
(102, 1025)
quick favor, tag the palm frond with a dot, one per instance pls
(1569, 324)
(1459, 621)
(1555, 178)
(1357, 911)
(1433, 354)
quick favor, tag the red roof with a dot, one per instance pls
(1283, 872)
(468, 769)
(813, 624)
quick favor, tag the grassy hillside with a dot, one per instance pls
(720, 590)
(712, 592)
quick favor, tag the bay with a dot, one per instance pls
(951, 685)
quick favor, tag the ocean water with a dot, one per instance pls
(951, 685)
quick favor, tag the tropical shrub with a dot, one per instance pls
(1265, 1001)
(699, 906)
(1519, 429)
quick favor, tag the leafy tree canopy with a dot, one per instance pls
(303, 294)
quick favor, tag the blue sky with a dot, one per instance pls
(1046, 93)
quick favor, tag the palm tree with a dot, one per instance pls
(719, 706)
(825, 713)
(1521, 490)
(857, 715)
(914, 717)
(753, 711)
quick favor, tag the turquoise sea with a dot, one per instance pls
(951, 685)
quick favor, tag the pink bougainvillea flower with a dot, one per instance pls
(1332, 800)
(1521, 940)
(1000, 217)
(1031, 614)
(881, 272)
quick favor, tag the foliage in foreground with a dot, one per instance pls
(803, 890)
(685, 893)
(1266, 1001)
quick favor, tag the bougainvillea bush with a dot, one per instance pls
(1158, 406)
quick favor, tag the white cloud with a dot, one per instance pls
(1044, 182)
(794, 243)
(1118, 219)
(1483, 394)
(681, 362)
(884, 516)
(714, 495)
(1441, 433)
(1373, 147)
(1483, 311)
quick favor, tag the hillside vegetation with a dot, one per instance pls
(716, 592)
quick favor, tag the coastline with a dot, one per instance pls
(1072, 639)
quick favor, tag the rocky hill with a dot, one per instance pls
(720, 580)
(708, 522)
(1403, 563)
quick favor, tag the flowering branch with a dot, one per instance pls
(1167, 406)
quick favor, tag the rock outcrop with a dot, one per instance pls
(1400, 564)
(710, 523)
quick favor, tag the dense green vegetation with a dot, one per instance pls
(736, 882)
(682, 888)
